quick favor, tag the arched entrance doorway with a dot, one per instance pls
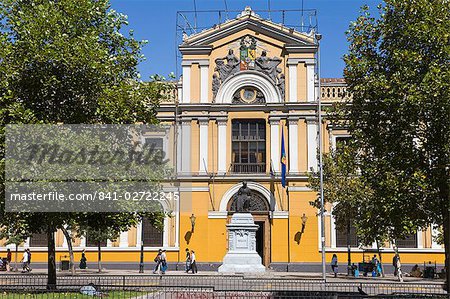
(259, 207)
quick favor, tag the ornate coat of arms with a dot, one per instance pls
(248, 53)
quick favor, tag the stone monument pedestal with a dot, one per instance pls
(242, 256)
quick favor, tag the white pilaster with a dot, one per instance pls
(123, 240)
(419, 238)
(180, 90)
(310, 86)
(186, 95)
(292, 67)
(204, 83)
(275, 150)
(139, 235)
(311, 128)
(109, 243)
(185, 145)
(222, 145)
(333, 231)
(82, 241)
(203, 150)
(293, 145)
(26, 243)
(434, 233)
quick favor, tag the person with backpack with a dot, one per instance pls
(157, 261)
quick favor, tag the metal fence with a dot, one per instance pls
(199, 286)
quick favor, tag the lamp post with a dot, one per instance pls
(141, 262)
(318, 37)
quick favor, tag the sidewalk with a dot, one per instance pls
(269, 274)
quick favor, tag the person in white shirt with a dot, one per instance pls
(24, 261)
(193, 263)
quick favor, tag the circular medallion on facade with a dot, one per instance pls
(248, 94)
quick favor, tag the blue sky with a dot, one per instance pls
(155, 21)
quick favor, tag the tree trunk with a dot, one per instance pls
(70, 247)
(51, 262)
(17, 252)
(349, 252)
(381, 260)
(446, 229)
(99, 252)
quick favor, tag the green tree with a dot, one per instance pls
(68, 61)
(398, 70)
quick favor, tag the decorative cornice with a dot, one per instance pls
(295, 61)
(300, 49)
(195, 50)
(201, 62)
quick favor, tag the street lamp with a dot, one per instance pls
(304, 219)
(192, 218)
(141, 262)
(318, 37)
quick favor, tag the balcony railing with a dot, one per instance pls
(248, 167)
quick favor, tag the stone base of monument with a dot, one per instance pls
(242, 256)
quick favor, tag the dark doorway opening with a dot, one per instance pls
(260, 239)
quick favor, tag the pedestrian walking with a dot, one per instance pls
(399, 269)
(24, 261)
(83, 261)
(8, 259)
(188, 260)
(394, 263)
(334, 264)
(157, 261)
(193, 262)
(163, 262)
(375, 266)
(29, 259)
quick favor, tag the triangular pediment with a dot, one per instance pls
(284, 35)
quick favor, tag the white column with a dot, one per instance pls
(311, 128)
(275, 150)
(292, 67)
(222, 145)
(310, 82)
(293, 145)
(185, 145)
(186, 97)
(180, 90)
(139, 235)
(333, 231)
(109, 243)
(26, 243)
(434, 233)
(204, 83)
(419, 238)
(82, 241)
(203, 151)
(177, 224)
(123, 239)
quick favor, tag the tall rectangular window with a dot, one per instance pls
(409, 241)
(39, 240)
(248, 146)
(341, 237)
(153, 237)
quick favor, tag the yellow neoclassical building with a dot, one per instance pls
(247, 85)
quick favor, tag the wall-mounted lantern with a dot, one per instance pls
(192, 218)
(304, 219)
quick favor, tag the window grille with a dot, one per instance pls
(39, 240)
(153, 237)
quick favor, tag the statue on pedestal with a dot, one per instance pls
(243, 198)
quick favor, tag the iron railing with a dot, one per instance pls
(211, 286)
